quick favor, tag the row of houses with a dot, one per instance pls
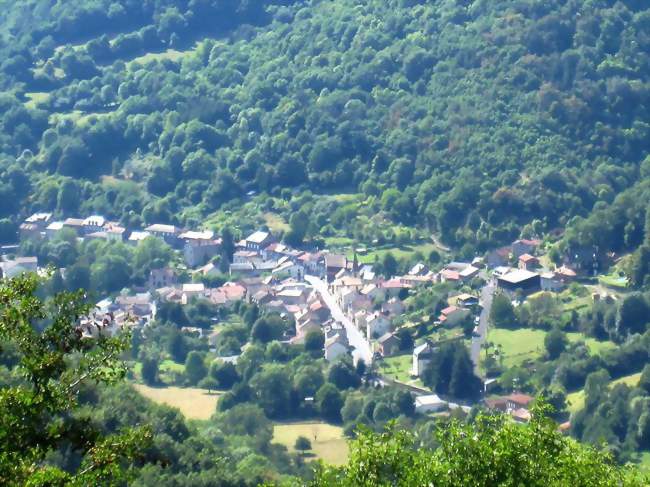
(197, 246)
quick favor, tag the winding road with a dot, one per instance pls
(355, 337)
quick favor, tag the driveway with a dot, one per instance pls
(355, 338)
(487, 293)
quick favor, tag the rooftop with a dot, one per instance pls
(258, 237)
(193, 235)
(517, 276)
(160, 228)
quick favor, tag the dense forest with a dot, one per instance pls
(451, 127)
(471, 119)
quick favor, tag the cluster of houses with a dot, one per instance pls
(528, 276)
(516, 405)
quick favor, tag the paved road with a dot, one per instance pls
(356, 339)
(487, 293)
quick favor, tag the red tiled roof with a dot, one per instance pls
(527, 258)
(450, 275)
(518, 398)
(449, 310)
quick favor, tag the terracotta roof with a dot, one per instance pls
(450, 275)
(527, 258)
(519, 398)
(449, 310)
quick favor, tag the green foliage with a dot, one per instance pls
(502, 313)
(195, 368)
(40, 411)
(490, 451)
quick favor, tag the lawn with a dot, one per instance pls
(397, 367)
(194, 403)
(399, 252)
(169, 54)
(327, 441)
(518, 345)
(613, 279)
(576, 400)
(275, 223)
(595, 347)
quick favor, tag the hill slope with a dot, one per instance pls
(469, 118)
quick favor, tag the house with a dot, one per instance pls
(17, 266)
(449, 275)
(550, 282)
(422, 356)
(165, 277)
(114, 232)
(524, 246)
(246, 269)
(293, 296)
(136, 237)
(452, 315)
(199, 247)
(419, 270)
(314, 263)
(52, 229)
(518, 400)
(393, 307)
(360, 319)
(288, 269)
(498, 257)
(466, 300)
(519, 280)
(208, 269)
(373, 292)
(41, 220)
(192, 290)
(468, 273)
(393, 287)
(93, 224)
(388, 344)
(346, 296)
(377, 324)
(76, 224)
(34, 225)
(335, 346)
(259, 240)
(233, 291)
(565, 274)
(169, 233)
(417, 281)
(429, 404)
(528, 262)
(361, 302)
(502, 270)
(28, 231)
(334, 263)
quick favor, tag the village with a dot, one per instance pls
(357, 310)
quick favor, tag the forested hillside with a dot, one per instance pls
(467, 118)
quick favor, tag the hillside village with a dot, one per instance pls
(358, 311)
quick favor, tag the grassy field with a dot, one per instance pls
(194, 403)
(327, 441)
(397, 367)
(576, 400)
(613, 280)
(169, 54)
(595, 347)
(518, 345)
(275, 223)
